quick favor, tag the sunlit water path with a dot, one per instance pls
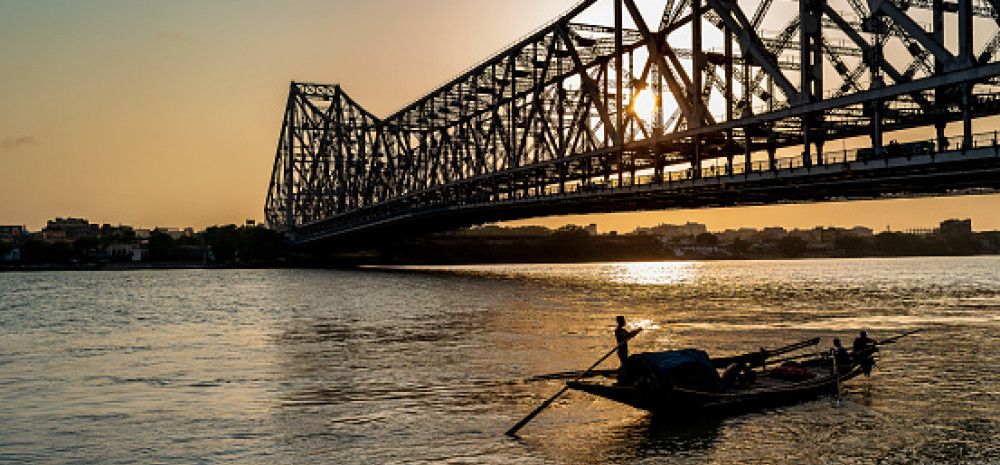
(431, 365)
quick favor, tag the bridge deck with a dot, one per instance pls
(958, 172)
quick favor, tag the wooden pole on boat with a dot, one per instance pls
(897, 337)
(836, 373)
(524, 421)
(760, 359)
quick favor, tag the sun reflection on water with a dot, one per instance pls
(655, 273)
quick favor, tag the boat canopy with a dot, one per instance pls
(687, 368)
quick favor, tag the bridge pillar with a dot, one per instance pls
(810, 69)
(772, 150)
(966, 54)
(747, 112)
(657, 165)
(697, 69)
(967, 57)
(696, 157)
(874, 59)
(967, 102)
(562, 178)
(728, 71)
(290, 162)
(940, 93)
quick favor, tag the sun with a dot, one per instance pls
(644, 105)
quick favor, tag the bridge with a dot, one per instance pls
(626, 105)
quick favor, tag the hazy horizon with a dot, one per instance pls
(167, 114)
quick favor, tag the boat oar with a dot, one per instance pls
(524, 421)
(817, 354)
(897, 337)
(794, 347)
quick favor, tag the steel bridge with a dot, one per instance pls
(622, 105)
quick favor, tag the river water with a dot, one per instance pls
(431, 365)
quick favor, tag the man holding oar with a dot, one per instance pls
(621, 348)
(622, 336)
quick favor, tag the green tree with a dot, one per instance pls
(162, 247)
(254, 245)
(851, 246)
(896, 244)
(121, 234)
(259, 245)
(740, 247)
(706, 239)
(85, 246)
(791, 246)
(222, 240)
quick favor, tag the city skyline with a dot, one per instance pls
(556, 223)
(166, 114)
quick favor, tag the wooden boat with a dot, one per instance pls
(693, 388)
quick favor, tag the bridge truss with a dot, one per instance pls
(602, 110)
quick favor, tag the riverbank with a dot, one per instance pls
(360, 262)
(128, 267)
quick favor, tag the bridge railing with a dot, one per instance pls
(785, 163)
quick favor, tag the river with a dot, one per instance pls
(432, 364)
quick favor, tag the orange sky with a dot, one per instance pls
(167, 113)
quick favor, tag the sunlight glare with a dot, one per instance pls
(655, 272)
(644, 105)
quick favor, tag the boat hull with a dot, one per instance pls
(686, 403)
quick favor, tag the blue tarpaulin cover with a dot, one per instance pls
(688, 368)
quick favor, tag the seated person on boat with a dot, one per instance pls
(841, 355)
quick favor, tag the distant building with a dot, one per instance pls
(814, 235)
(498, 231)
(174, 233)
(862, 231)
(773, 232)
(69, 230)
(920, 231)
(12, 233)
(250, 223)
(127, 252)
(670, 231)
(591, 229)
(955, 227)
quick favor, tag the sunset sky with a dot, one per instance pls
(167, 113)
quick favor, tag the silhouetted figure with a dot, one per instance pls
(622, 335)
(738, 374)
(841, 354)
(864, 349)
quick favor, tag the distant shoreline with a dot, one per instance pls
(362, 264)
(126, 267)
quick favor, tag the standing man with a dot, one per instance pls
(863, 351)
(622, 335)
